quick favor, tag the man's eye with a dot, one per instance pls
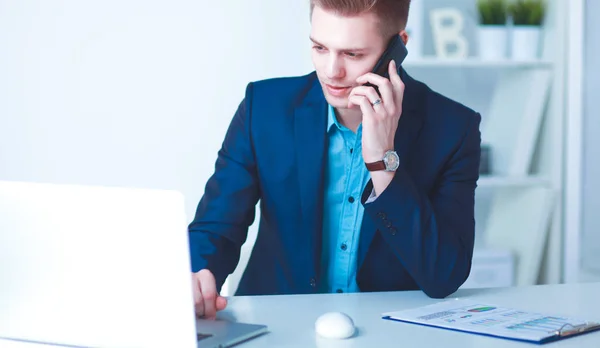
(353, 55)
(318, 48)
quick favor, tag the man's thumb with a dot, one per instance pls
(221, 303)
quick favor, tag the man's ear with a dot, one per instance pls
(404, 35)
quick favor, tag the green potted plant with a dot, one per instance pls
(528, 17)
(492, 30)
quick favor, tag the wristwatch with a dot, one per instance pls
(389, 163)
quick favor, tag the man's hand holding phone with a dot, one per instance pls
(207, 302)
(380, 114)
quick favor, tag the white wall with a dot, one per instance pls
(134, 93)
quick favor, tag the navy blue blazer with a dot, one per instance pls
(418, 234)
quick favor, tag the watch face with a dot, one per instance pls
(392, 161)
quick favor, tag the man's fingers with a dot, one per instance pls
(364, 103)
(397, 83)
(208, 288)
(366, 91)
(207, 302)
(374, 79)
(385, 87)
(198, 300)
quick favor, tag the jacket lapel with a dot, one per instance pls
(310, 123)
(408, 129)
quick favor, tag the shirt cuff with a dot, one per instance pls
(372, 197)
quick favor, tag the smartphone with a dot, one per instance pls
(396, 50)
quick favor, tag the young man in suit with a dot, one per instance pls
(358, 192)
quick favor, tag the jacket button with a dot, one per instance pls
(388, 224)
(381, 215)
(313, 282)
(393, 231)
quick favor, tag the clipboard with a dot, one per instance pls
(490, 320)
(570, 330)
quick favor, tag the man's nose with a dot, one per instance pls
(335, 67)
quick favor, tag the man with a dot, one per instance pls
(302, 146)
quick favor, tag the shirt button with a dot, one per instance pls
(344, 246)
(339, 291)
(351, 199)
(313, 282)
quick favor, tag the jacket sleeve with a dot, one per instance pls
(227, 208)
(433, 235)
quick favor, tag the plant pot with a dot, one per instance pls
(493, 42)
(525, 42)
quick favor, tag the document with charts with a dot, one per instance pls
(486, 319)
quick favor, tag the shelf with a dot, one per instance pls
(506, 181)
(474, 63)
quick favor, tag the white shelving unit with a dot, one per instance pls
(524, 127)
(432, 62)
(491, 181)
(574, 123)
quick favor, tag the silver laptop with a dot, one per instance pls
(100, 267)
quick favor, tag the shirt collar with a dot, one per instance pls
(332, 119)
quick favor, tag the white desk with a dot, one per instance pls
(291, 318)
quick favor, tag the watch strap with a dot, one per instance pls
(375, 166)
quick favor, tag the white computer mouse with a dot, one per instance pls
(334, 325)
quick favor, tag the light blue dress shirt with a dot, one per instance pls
(345, 179)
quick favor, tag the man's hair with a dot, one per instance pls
(392, 14)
